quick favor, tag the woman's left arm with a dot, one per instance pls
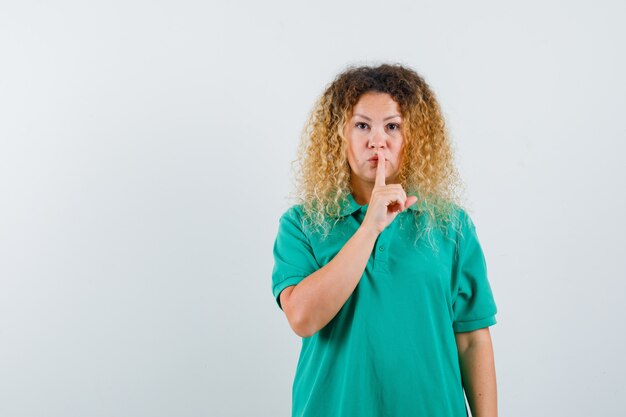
(478, 371)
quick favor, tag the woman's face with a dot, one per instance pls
(375, 124)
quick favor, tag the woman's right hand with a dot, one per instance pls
(386, 201)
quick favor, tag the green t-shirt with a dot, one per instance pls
(390, 350)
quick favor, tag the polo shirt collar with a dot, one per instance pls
(350, 205)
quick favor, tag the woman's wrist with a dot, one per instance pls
(368, 231)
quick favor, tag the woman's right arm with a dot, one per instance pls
(315, 300)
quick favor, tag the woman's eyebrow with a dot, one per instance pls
(367, 118)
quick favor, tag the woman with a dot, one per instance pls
(378, 268)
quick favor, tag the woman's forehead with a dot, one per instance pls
(374, 103)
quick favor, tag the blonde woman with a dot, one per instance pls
(378, 268)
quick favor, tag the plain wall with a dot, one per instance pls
(145, 158)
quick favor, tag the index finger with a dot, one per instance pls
(380, 169)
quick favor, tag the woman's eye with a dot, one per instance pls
(361, 125)
(393, 126)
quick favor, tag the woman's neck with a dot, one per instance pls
(362, 191)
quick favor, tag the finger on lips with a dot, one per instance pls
(380, 169)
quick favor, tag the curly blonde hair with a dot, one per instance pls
(428, 170)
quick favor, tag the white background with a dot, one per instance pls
(145, 152)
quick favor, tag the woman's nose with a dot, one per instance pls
(378, 139)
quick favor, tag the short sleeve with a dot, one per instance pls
(293, 255)
(473, 304)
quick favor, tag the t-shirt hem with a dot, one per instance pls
(468, 326)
